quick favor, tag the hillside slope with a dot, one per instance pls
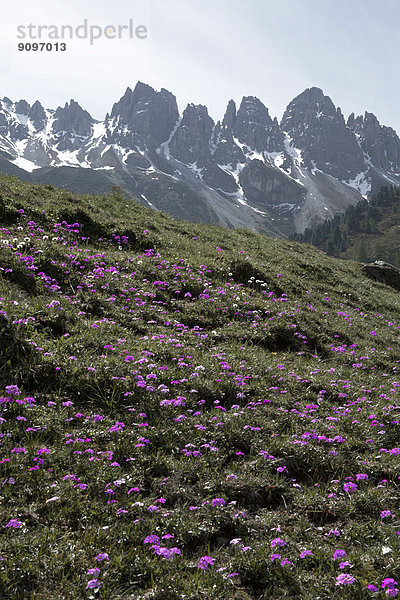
(189, 411)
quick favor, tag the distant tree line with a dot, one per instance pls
(334, 236)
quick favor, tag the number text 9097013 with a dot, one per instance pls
(42, 47)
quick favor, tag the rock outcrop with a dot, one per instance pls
(383, 272)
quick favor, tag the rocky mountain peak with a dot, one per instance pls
(11, 126)
(143, 91)
(380, 144)
(254, 127)
(37, 115)
(191, 140)
(22, 107)
(73, 119)
(127, 106)
(224, 148)
(147, 117)
(229, 119)
(123, 108)
(307, 108)
(352, 121)
(315, 126)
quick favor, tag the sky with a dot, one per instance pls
(207, 52)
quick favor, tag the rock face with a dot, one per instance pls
(191, 140)
(318, 128)
(254, 128)
(383, 272)
(72, 119)
(265, 188)
(225, 150)
(37, 115)
(142, 118)
(246, 170)
(71, 126)
(380, 144)
(22, 107)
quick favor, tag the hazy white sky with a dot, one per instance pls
(208, 51)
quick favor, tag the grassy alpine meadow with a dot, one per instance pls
(189, 411)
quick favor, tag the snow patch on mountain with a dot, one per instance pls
(25, 164)
(275, 158)
(294, 153)
(164, 147)
(198, 171)
(361, 183)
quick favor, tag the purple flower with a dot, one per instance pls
(386, 513)
(275, 557)
(277, 542)
(218, 502)
(42, 451)
(172, 551)
(151, 539)
(282, 470)
(117, 427)
(102, 556)
(94, 571)
(240, 514)
(12, 390)
(93, 583)
(389, 583)
(205, 562)
(122, 511)
(14, 523)
(166, 553)
(339, 554)
(344, 579)
(305, 553)
(372, 588)
(335, 532)
(81, 486)
(350, 487)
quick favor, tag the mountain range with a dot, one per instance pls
(247, 170)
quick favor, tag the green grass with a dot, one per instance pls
(173, 364)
